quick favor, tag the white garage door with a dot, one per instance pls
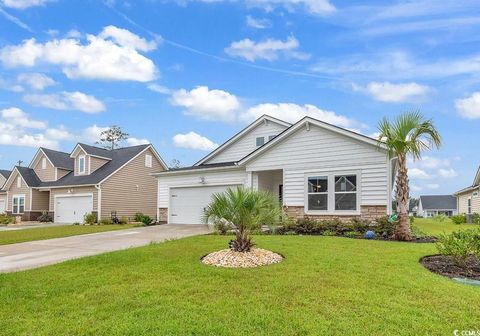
(72, 209)
(187, 204)
(2, 206)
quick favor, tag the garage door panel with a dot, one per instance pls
(187, 205)
(72, 209)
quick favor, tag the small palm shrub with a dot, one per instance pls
(459, 219)
(247, 210)
(460, 245)
(90, 219)
(45, 217)
(144, 219)
(222, 226)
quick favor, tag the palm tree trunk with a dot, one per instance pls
(402, 229)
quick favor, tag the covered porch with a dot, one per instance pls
(268, 180)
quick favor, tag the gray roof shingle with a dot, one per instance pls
(440, 202)
(5, 173)
(59, 159)
(29, 176)
(97, 151)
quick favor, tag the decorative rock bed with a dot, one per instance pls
(228, 258)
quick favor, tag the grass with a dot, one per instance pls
(433, 227)
(25, 235)
(325, 286)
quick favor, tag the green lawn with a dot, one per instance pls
(432, 227)
(325, 286)
(25, 235)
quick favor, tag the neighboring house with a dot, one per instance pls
(4, 174)
(468, 200)
(316, 169)
(434, 205)
(88, 180)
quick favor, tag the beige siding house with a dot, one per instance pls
(87, 180)
(316, 170)
(468, 199)
(4, 174)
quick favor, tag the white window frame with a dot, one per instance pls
(469, 206)
(331, 193)
(44, 163)
(318, 193)
(80, 157)
(346, 192)
(19, 181)
(18, 197)
(148, 161)
(257, 139)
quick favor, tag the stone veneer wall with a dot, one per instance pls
(163, 212)
(370, 212)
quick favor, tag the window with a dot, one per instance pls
(260, 141)
(81, 164)
(18, 205)
(332, 193)
(44, 163)
(318, 193)
(346, 192)
(148, 161)
(469, 205)
(19, 182)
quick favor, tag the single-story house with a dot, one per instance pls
(434, 205)
(87, 180)
(468, 200)
(4, 174)
(316, 169)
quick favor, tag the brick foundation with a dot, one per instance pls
(369, 212)
(163, 212)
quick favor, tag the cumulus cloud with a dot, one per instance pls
(194, 140)
(36, 81)
(469, 108)
(394, 93)
(137, 141)
(257, 23)
(447, 173)
(60, 133)
(293, 113)
(269, 50)
(17, 117)
(207, 104)
(418, 173)
(315, 7)
(159, 88)
(433, 162)
(66, 101)
(23, 4)
(92, 133)
(111, 55)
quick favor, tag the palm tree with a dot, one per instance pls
(408, 135)
(245, 209)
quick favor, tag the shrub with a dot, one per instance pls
(475, 218)
(90, 219)
(106, 221)
(145, 219)
(138, 217)
(123, 220)
(459, 219)
(222, 226)
(45, 217)
(351, 234)
(76, 223)
(460, 245)
(307, 226)
(412, 219)
(329, 233)
(360, 225)
(5, 219)
(416, 232)
(440, 218)
(384, 227)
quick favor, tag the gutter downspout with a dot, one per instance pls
(99, 202)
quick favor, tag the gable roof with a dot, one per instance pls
(59, 159)
(476, 184)
(264, 118)
(117, 159)
(28, 175)
(5, 173)
(440, 202)
(306, 121)
(94, 151)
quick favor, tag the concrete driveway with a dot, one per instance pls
(22, 256)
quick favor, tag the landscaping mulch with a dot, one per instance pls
(228, 258)
(445, 265)
(426, 239)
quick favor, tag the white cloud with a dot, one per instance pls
(92, 133)
(433, 162)
(137, 142)
(433, 185)
(293, 113)
(316, 7)
(98, 58)
(469, 108)
(395, 93)
(257, 23)
(23, 4)
(17, 117)
(447, 173)
(60, 133)
(36, 81)
(207, 104)
(125, 38)
(159, 88)
(194, 140)
(269, 50)
(418, 173)
(66, 101)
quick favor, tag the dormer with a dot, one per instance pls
(51, 165)
(88, 159)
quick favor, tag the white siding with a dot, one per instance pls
(247, 143)
(320, 150)
(224, 177)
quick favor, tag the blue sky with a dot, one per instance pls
(186, 75)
